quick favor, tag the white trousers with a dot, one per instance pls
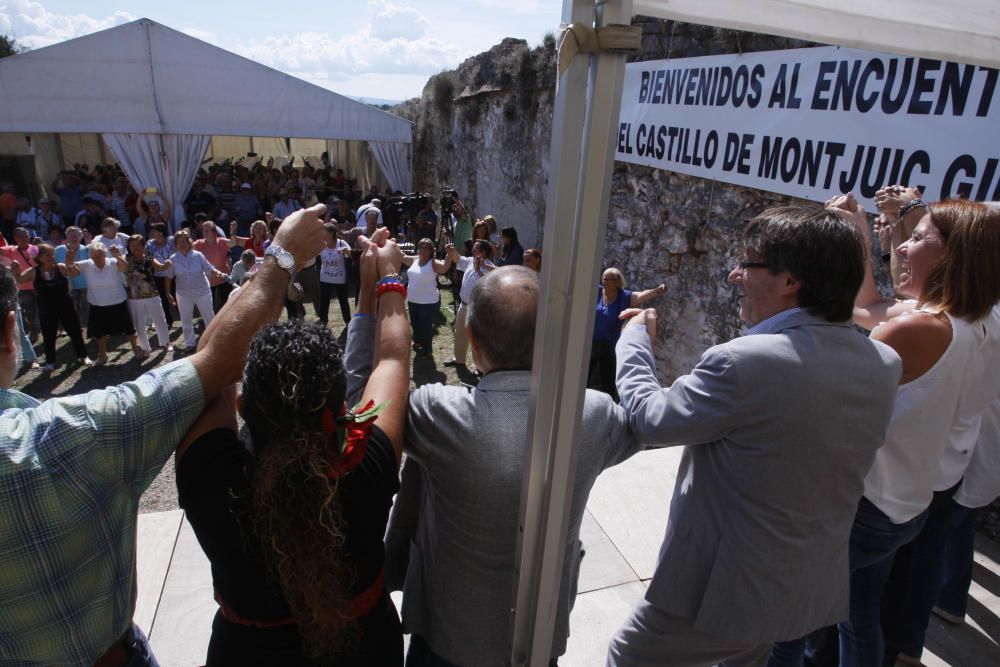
(186, 305)
(144, 310)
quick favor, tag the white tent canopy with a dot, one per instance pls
(582, 156)
(143, 82)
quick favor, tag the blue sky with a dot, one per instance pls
(365, 48)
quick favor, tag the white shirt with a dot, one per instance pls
(901, 480)
(470, 277)
(422, 283)
(191, 272)
(120, 240)
(105, 287)
(334, 269)
(982, 385)
(981, 485)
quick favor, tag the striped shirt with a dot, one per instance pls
(773, 323)
(72, 470)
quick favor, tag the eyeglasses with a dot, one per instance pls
(745, 264)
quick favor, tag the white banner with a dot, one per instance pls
(817, 122)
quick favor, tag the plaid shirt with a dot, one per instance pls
(71, 473)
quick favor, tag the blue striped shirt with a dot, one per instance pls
(773, 323)
(71, 473)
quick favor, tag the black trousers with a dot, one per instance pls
(161, 287)
(601, 375)
(220, 294)
(326, 292)
(52, 314)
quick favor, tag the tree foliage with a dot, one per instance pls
(10, 46)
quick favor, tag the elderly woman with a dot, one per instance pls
(257, 241)
(191, 270)
(106, 296)
(160, 247)
(948, 336)
(143, 299)
(612, 299)
(110, 236)
(216, 251)
(293, 524)
(55, 308)
(422, 296)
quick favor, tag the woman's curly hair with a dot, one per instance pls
(294, 370)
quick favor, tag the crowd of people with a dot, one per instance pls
(823, 476)
(111, 249)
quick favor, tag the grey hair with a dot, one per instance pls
(501, 317)
(97, 246)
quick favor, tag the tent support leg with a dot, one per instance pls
(582, 157)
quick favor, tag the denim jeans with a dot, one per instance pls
(140, 653)
(874, 542)
(422, 318)
(958, 560)
(27, 351)
(917, 576)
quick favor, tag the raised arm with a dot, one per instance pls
(69, 268)
(870, 307)
(120, 261)
(21, 276)
(639, 298)
(222, 350)
(390, 379)
(142, 212)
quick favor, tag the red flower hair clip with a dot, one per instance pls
(351, 440)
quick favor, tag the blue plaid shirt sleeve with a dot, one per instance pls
(71, 473)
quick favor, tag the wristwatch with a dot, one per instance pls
(284, 258)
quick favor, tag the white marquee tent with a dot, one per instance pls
(158, 97)
(584, 127)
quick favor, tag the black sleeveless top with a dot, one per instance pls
(51, 290)
(213, 484)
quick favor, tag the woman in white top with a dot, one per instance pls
(110, 236)
(191, 269)
(947, 340)
(333, 275)
(422, 297)
(106, 295)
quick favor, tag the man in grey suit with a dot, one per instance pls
(465, 458)
(780, 427)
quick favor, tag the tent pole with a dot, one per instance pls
(582, 156)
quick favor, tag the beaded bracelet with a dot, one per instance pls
(390, 287)
(390, 278)
(909, 206)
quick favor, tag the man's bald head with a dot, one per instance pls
(501, 317)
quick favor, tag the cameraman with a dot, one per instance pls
(461, 224)
(427, 221)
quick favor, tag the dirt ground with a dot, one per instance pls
(71, 378)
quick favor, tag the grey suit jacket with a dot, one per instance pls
(453, 529)
(780, 430)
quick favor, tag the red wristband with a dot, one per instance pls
(390, 287)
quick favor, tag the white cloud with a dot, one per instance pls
(395, 22)
(33, 25)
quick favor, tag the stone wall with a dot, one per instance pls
(486, 129)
